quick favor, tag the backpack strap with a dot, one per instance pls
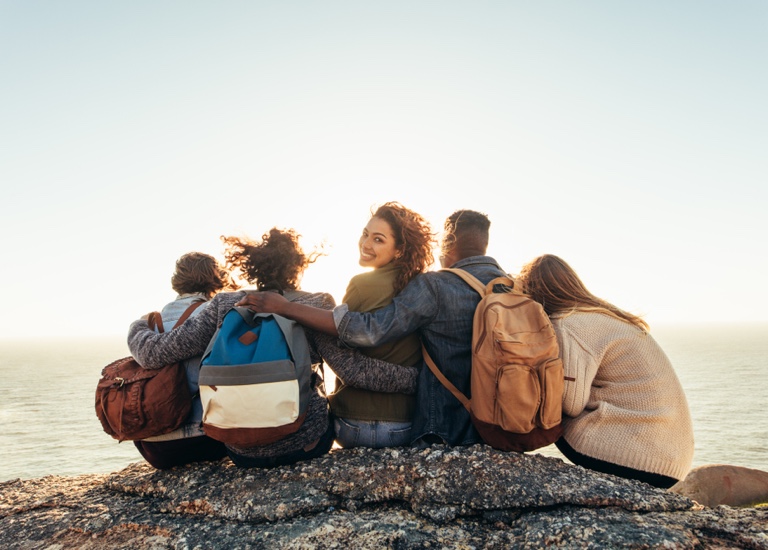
(475, 283)
(482, 289)
(470, 279)
(155, 319)
(443, 380)
(187, 312)
(319, 382)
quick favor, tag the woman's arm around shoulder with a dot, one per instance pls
(155, 350)
(360, 371)
(321, 300)
(310, 310)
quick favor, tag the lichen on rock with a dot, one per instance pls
(440, 497)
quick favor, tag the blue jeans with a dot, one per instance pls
(371, 433)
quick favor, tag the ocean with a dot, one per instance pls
(48, 425)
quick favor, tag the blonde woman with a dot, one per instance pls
(624, 410)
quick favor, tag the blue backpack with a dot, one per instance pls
(255, 378)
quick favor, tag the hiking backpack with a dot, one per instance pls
(256, 378)
(517, 374)
(136, 403)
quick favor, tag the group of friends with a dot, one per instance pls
(624, 409)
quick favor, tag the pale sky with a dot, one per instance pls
(630, 138)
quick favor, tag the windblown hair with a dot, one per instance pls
(414, 240)
(198, 273)
(277, 262)
(466, 232)
(554, 284)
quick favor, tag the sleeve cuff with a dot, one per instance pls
(339, 312)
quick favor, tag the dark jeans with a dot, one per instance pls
(375, 434)
(167, 454)
(322, 446)
(657, 480)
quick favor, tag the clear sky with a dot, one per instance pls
(630, 138)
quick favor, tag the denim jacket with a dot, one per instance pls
(439, 306)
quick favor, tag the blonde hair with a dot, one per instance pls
(555, 285)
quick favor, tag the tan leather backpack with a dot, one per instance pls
(517, 374)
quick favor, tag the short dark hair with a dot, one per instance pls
(467, 231)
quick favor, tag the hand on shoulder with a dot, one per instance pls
(263, 302)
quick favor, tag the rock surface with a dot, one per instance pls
(441, 497)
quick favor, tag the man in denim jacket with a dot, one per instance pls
(440, 307)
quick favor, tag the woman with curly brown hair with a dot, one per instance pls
(276, 262)
(397, 243)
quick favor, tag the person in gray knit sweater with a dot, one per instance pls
(625, 412)
(276, 262)
(196, 279)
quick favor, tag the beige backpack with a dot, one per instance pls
(517, 375)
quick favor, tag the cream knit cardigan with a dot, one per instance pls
(626, 405)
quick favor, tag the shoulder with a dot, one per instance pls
(321, 300)
(369, 289)
(584, 321)
(596, 331)
(225, 300)
(360, 278)
(479, 264)
(380, 276)
(426, 280)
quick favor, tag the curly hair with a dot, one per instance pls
(198, 273)
(414, 240)
(277, 262)
(553, 283)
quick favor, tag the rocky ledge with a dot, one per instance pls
(441, 497)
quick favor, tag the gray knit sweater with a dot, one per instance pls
(153, 350)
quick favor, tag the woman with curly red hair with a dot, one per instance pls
(397, 243)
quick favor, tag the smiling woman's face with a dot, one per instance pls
(377, 244)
